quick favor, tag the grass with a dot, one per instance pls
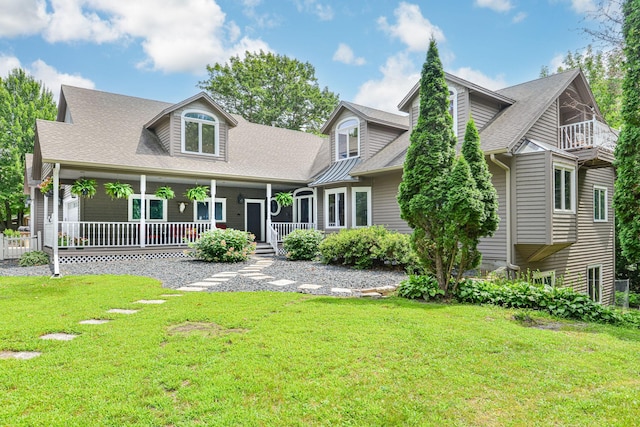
(292, 359)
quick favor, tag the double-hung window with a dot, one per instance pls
(599, 204)
(564, 188)
(594, 282)
(155, 208)
(199, 133)
(201, 210)
(348, 139)
(361, 206)
(335, 203)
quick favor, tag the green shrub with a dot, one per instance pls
(302, 244)
(369, 247)
(29, 259)
(11, 233)
(223, 245)
(634, 299)
(559, 302)
(425, 287)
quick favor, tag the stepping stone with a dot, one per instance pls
(150, 301)
(191, 289)
(250, 269)
(282, 282)
(226, 274)
(93, 322)
(59, 336)
(22, 355)
(341, 290)
(309, 286)
(216, 279)
(253, 274)
(261, 277)
(198, 285)
(171, 295)
(371, 294)
(122, 311)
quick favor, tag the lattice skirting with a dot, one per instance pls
(118, 257)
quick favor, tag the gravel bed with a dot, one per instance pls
(177, 272)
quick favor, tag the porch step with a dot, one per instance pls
(264, 249)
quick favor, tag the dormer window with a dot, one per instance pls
(348, 139)
(199, 133)
(453, 108)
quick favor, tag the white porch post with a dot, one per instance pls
(269, 213)
(315, 207)
(32, 213)
(212, 205)
(45, 212)
(143, 213)
(56, 198)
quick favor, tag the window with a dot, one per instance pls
(600, 204)
(361, 206)
(453, 108)
(155, 208)
(335, 201)
(544, 278)
(199, 133)
(201, 210)
(348, 139)
(594, 282)
(563, 187)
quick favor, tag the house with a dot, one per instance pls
(550, 156)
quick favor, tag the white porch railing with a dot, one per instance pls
(273, 238)
(14, 247)
(586, 135)
(284, 228)
(124, 234)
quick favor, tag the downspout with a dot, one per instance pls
(56, 199)
(507, 170)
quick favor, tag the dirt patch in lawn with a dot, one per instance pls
(203, 329)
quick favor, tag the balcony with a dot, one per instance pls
(589, 134)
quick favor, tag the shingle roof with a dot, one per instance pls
(369, 114)
(390, 157)
(337, 172)
(532, 99)
(107, 132)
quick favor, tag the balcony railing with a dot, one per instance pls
(587, 135)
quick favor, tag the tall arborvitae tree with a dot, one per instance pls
(426, 188)
(627, 154)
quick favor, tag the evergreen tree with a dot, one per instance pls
(437, 197)
(627, 154)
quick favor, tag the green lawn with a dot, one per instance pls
(291, 359)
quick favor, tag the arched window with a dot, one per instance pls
(453, 108)
(199, 133)
(348, 139)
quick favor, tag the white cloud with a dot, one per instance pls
(477, 77)
(324, 12)
(518, 17)
(583, 6)
(556, 62)
(496, 5)
(45, 73)
(399, 74)
(177, 36)
(411, 27)
(345, 55)
(22, 17)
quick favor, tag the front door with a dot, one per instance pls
(254, 217)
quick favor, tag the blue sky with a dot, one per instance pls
(368, 51)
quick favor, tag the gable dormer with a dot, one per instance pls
(358, 132)
(197, 126)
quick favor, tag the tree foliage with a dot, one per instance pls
(438, 196)
(22, 101)
(627, 155)
(272, 90)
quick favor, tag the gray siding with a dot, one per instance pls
(176, 131)
(386, 210)
(495, 248)
(47, 169)
(531, 213)
(163, 130)
(482, 110)
(595, 242)
(378, 138)
(546, 128)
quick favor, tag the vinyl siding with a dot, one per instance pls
(531, 216)
(386, 210)
(47, 169)
(163, 130)
(176, 132)
(495, 248)
(595, 242)
(378, 138)
(482, 110)
(546, 128)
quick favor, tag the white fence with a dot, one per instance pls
(14, 247)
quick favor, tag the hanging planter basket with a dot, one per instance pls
(84, 188)
(165, 193)
(284, 199)
(199, 193)
(118, 190)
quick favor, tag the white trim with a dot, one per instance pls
(453, 96)
(537, 275)
(148, 198)
(221, 200)
(262, 216)
(593, 267)
(565, 168)
(337, 143)
(355, 190)
(215, 123)
(327, 193)
(606, 206)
